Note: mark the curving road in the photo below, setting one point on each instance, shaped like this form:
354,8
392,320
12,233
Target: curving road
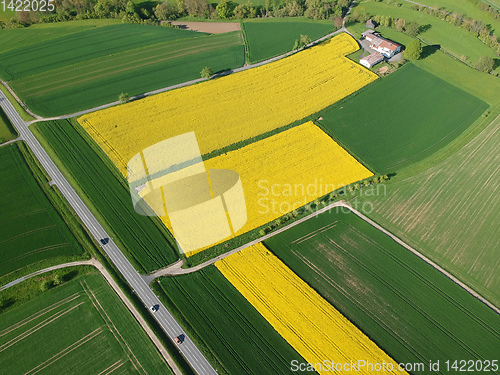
163,316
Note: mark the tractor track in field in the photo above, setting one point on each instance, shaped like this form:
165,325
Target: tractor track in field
176,268
118,291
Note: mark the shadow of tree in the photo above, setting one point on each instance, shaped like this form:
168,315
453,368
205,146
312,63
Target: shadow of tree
424,28
496,63
69,276
429,50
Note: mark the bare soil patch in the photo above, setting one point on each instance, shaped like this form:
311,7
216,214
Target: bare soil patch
209,27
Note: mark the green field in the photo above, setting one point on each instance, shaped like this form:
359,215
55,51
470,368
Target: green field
451,212
239,340
106,192
81,47
31,230
482,85
409,309
22,112
98,81
268,38
451,38
7,131
79,327
42,32
469,9
401,119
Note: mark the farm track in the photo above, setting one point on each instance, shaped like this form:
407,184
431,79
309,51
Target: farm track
176,269
172,87
116,288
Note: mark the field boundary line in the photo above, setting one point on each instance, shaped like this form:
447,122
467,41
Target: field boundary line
112,367
187,83
176,270
423,257
21,103
109,323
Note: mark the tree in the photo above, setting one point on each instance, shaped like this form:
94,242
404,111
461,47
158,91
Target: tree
222,9
302,42
239,12
130,7
412,29
195,7
45,285
413,50
123,97
384,21
337,22
318,9
400,24
206,72
164,11
485,64
57,279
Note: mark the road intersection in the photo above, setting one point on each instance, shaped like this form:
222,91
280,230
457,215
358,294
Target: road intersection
188,349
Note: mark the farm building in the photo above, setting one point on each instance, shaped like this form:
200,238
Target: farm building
385,46
371,59
371,24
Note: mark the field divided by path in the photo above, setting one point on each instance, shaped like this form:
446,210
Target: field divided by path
233,108
401,119
450,212
105,189
98,81
235,334
90,68
394,297
80,327
31,230
266,38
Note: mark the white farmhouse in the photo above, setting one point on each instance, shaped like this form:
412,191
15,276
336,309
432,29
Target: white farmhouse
385,46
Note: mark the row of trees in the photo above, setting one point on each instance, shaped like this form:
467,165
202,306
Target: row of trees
315,9
323,201
475,27
128,11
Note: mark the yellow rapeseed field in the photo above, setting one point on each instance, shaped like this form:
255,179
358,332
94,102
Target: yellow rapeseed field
287,170
313,327
235,108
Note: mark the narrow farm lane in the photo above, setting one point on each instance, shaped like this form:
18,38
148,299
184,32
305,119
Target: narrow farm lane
11,141
175,269
187,83
424,258
163,316
91,262
104,272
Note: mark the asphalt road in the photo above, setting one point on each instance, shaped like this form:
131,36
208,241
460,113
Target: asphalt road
163,316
